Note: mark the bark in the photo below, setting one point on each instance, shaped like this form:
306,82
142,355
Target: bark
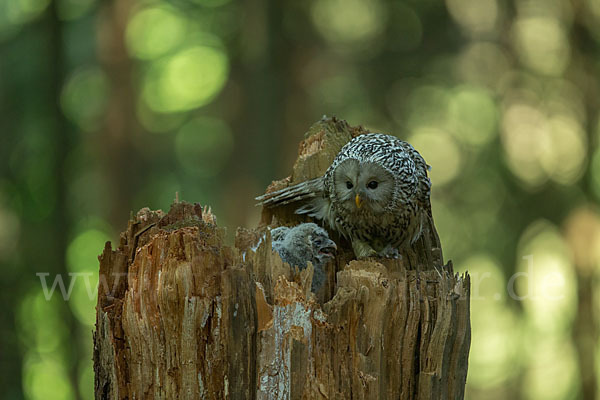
182,315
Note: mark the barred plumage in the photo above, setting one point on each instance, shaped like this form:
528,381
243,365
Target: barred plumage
375,193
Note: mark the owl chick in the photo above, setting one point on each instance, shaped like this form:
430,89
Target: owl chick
303,243
375,193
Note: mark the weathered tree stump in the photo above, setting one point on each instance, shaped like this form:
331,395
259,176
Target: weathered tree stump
181,315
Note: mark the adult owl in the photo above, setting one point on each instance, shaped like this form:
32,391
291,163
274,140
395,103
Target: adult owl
375,193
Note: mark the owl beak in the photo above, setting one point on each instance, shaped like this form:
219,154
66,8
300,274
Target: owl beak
328,249
358,201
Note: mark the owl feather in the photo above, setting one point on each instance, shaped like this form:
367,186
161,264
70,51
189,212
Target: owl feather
305,243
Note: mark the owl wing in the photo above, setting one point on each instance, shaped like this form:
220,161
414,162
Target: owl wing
301,192
424,184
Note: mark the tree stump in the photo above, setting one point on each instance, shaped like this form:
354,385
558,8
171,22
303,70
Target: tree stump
181,315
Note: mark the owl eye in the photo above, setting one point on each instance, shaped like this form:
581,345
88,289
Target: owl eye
372,185
349,185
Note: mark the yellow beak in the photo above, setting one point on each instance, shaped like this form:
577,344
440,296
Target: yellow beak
358,201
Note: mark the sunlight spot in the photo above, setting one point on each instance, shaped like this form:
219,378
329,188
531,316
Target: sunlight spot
552,371
39,323
542,45
86,380
441,152
82,259
495,327
16,12
565,162
477,16
154,31
539,147
582,232
350,24
187,80
46,379
473,115
545,280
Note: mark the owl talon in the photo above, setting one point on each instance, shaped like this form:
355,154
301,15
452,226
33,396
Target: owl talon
390,252
362,249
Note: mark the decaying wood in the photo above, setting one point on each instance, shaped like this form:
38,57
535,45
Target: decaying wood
181,315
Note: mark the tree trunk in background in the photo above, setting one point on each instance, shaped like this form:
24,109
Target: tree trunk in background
181,315
64,141
120,127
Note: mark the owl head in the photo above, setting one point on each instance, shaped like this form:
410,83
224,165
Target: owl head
363,185
304,242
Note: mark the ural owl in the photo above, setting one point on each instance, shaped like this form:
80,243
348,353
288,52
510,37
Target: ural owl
375,194
303,243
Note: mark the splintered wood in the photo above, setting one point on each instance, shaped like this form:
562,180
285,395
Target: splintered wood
181,315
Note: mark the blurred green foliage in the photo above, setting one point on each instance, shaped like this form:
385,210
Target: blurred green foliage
109,106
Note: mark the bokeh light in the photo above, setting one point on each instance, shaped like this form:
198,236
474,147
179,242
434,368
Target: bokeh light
476,16
40,322
84,109
539,146
542,45
157,122
545,281
13,13
439,149
82,263
349,25
154,31
43,337
582,233
552,369
483,63
496,327
46,379
189,79
86,381
428,105
473,115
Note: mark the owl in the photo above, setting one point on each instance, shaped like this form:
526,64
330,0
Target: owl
375,194
303,243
